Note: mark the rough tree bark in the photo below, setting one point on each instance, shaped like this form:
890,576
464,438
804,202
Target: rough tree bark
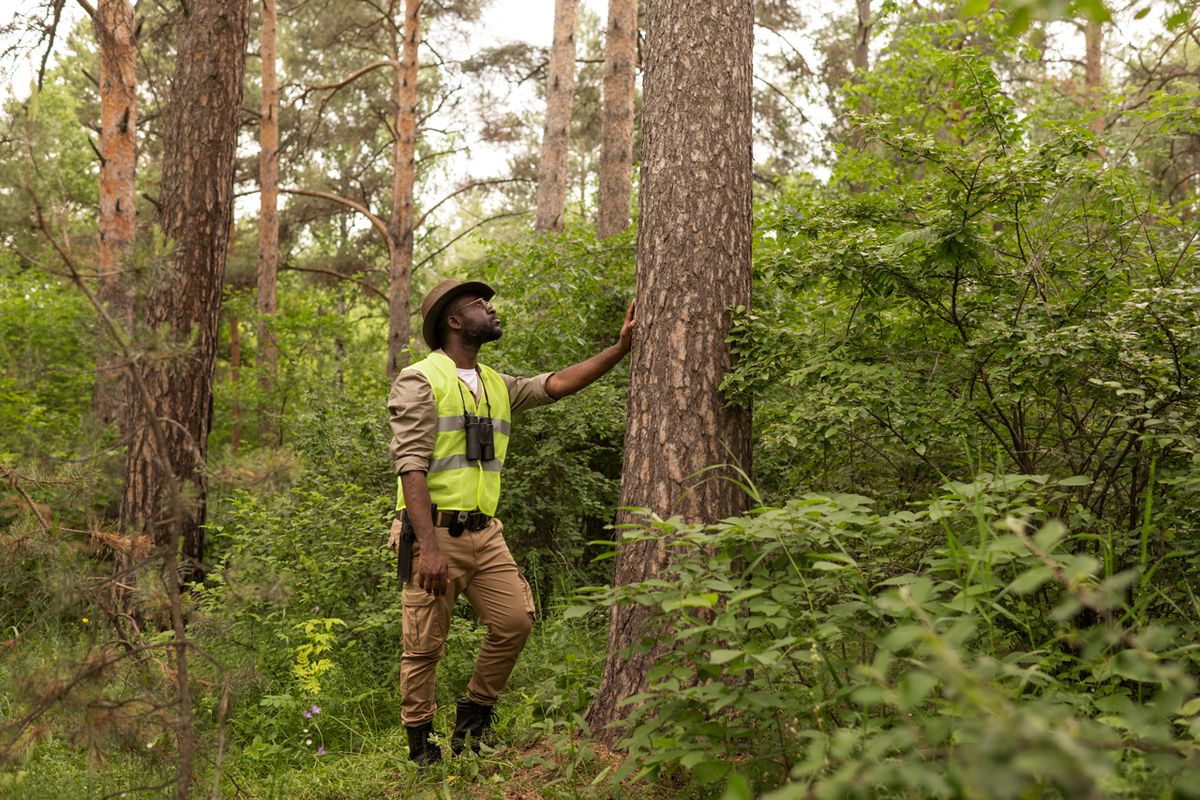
556,138
197,204
404,152
115,32
694,235
267,354
616,145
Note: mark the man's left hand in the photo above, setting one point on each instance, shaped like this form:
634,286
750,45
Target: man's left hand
626,340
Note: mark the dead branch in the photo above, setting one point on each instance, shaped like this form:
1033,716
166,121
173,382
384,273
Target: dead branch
89,8
14,481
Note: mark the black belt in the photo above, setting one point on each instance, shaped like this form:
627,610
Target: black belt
459,521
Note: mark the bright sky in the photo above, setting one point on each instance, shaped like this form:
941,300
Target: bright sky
504,20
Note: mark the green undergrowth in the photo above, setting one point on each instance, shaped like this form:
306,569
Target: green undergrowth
971,646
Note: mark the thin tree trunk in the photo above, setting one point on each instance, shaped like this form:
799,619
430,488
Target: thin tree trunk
339,341
267,354
197,195
1093,73
235,368
694,237
862,37
556,139
862,58
616,145
115,32
404,151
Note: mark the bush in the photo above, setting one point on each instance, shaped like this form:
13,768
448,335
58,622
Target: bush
823,649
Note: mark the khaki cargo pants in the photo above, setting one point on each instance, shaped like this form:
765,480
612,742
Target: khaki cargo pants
482,568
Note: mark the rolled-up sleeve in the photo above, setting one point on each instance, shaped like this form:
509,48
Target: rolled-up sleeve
527,393
414,422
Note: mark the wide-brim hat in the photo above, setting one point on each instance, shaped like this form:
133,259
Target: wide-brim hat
439,296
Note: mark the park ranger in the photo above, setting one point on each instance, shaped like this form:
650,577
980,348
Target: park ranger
451,418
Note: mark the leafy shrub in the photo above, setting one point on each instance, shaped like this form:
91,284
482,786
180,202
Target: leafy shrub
827,650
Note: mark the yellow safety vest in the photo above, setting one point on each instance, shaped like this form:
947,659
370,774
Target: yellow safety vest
455,483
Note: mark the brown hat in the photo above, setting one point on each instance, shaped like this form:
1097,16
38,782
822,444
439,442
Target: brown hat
439,296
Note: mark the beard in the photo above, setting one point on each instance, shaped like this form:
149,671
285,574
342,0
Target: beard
477,335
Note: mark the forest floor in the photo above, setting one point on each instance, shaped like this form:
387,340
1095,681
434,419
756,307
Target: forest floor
546,769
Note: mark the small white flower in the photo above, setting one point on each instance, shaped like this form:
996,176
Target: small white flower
308,741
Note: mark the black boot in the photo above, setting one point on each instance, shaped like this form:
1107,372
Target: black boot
420,749
471,720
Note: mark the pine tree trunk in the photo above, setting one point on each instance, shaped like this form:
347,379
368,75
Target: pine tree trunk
404,151
267,354
616,146
694,237
114,25
197,203
556,138
1093,75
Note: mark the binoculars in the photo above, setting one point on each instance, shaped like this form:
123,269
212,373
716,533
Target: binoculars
480,446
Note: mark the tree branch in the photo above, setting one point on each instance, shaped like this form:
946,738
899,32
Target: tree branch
377,223
482,222
338,275
466,187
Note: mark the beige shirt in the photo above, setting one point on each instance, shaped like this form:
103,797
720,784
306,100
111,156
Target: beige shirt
414,414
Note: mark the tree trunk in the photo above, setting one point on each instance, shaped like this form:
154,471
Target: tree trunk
862,37
694,237
267,354
114,25
197,202
235,368
404,151
1092,74
339,342
556,139
616,146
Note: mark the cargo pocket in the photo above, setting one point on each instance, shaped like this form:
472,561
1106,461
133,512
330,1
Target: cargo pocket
426,620
527,596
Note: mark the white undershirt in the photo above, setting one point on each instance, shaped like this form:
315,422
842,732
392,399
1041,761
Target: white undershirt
471,378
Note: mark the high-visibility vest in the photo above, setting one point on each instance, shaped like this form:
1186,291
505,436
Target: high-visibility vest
455,483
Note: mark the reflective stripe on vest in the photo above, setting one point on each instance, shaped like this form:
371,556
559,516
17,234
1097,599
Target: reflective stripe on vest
456,483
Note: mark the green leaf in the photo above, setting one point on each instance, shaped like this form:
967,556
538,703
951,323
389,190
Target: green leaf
1030,580
914,687
1076,480
709,771
573,612
1175,22
738,788
723,656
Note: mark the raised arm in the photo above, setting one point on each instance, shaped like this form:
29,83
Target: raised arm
577,376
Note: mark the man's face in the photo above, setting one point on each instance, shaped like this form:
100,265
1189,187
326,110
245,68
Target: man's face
477,320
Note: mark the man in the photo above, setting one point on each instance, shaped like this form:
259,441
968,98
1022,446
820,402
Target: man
450,419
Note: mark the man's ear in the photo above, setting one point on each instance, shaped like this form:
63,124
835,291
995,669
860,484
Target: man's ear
453,322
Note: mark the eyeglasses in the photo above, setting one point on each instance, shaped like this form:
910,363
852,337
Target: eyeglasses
465,306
